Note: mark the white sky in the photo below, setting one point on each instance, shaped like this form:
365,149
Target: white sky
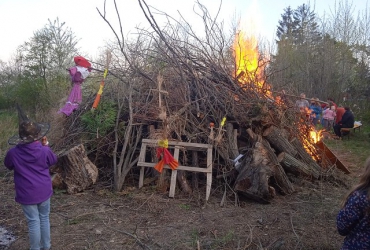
20,18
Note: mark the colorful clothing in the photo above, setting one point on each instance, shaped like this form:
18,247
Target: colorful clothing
31,163
340,111
78,75
315,113
353,221
328,114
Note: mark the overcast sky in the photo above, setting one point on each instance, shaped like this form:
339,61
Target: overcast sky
20,18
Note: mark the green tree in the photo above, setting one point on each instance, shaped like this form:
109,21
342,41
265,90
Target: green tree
286,25
44,59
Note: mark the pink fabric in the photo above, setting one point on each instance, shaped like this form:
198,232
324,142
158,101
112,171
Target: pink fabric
75,96
329,114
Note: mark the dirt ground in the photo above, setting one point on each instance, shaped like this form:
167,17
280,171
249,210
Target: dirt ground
148,219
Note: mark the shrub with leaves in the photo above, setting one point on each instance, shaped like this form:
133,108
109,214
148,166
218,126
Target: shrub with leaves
102,120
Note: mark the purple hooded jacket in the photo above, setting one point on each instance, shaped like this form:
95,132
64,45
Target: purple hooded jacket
31,163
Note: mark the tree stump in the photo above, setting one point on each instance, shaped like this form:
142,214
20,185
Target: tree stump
76,170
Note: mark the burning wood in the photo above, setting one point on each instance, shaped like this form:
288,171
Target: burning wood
267,130
211,97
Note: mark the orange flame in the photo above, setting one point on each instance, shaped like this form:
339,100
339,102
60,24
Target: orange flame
249,68
316,135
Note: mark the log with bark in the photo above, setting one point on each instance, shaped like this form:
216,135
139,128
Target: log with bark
305,157
281,180
294,166
253,178
279,141
74,171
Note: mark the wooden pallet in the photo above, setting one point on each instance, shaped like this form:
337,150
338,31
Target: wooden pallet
145,143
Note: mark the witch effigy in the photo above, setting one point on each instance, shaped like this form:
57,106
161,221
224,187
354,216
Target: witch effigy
78,74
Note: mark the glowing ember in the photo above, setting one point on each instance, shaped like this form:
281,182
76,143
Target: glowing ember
316,135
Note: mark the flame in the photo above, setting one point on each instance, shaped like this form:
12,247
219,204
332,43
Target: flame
316,135
249,65
310,137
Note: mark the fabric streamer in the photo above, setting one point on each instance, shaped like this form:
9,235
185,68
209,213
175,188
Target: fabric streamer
167,158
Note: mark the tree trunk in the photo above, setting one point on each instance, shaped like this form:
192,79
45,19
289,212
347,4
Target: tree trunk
278,141
253,179
76,170
294,166
282,182
305,157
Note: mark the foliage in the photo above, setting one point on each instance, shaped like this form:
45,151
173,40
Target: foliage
326,60
8,124
38,76
102,120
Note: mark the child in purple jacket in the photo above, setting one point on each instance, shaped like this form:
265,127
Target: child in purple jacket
353,220
30,160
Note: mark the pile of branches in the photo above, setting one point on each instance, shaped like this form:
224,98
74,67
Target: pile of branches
186,86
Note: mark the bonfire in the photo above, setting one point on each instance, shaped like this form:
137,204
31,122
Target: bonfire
197,94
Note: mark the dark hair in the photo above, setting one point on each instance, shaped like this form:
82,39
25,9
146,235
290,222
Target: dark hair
363,184
347,108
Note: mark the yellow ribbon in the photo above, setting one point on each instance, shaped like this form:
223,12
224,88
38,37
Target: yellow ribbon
163,143
100,89
223,121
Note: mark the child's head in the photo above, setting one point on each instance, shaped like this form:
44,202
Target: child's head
332,108
29,131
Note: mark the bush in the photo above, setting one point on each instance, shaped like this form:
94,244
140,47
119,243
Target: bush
102,120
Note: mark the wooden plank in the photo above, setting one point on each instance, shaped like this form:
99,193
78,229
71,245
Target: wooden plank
142,169
174,174
332,157
209,174
177,146
186,168
188,145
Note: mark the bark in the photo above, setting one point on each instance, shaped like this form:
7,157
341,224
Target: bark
275,137
253,178
305,157
294,166
281,179
76,170
232,140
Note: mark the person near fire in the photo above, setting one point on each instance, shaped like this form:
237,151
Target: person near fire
30,160
316,111
339,113
78,74
347,121
328,118
302,104
353,219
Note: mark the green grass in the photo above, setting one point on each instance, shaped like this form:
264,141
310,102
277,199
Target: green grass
358,144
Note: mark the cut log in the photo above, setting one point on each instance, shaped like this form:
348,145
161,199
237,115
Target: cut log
76,170
281,179
294,166
253,178
275,137
305,157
